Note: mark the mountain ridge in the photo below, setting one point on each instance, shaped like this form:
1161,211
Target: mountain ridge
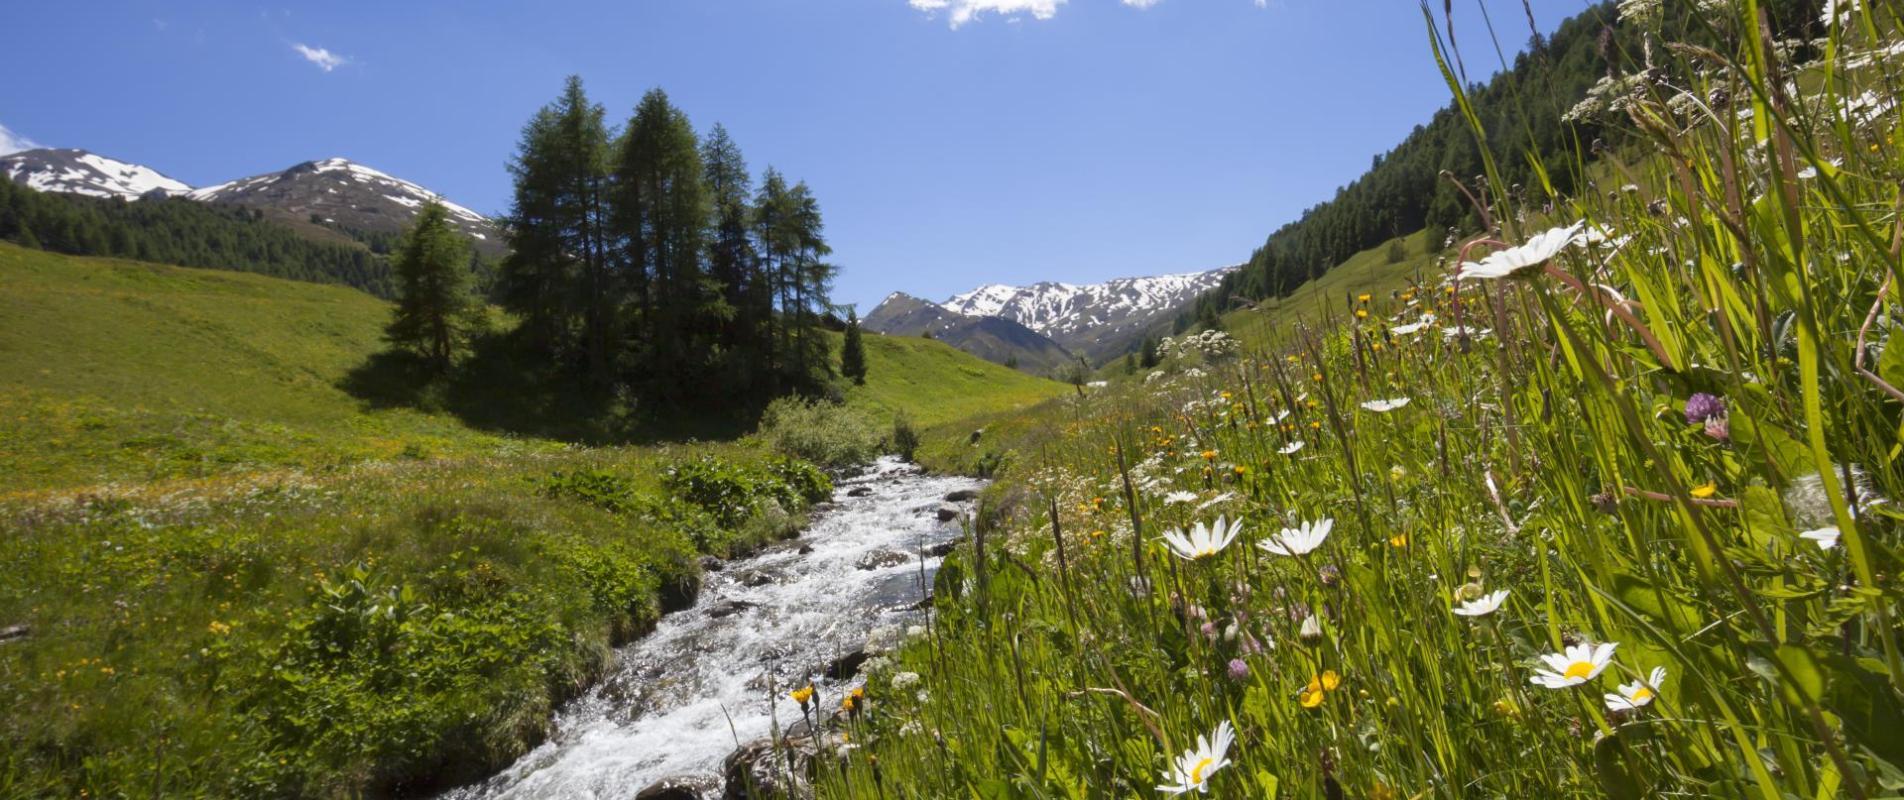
321,198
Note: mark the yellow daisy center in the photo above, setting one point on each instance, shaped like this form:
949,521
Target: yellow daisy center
1641,694
1579,669
1196,773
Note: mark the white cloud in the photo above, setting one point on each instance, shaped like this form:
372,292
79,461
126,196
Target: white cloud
1141,3
960,12
11,142
324,59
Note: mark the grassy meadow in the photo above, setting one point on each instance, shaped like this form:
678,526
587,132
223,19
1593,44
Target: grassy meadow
1613,516
239,573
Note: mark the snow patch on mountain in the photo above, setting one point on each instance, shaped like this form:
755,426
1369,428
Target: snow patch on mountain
1065,310
83,173
392,188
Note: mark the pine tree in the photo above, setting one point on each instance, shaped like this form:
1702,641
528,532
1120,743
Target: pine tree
557,276
434,309
661,215
853,352
1150,357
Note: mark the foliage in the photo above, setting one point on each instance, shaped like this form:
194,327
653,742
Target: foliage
641,257
174,230
853,351
828,434
905,438
435,313
1676,436
1529,144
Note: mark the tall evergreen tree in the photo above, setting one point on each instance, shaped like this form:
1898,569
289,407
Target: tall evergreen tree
853,352
557,276
434,311
661,212
733,264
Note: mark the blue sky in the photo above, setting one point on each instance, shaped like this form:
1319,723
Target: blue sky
951,142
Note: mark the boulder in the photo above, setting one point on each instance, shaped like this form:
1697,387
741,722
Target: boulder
687,787
712,564
755,578
859,491
805,549
942,549
759,771
962,495
880,559
728,608
846,666
947,513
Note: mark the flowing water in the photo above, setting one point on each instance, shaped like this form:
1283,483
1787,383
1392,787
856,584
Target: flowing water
683,697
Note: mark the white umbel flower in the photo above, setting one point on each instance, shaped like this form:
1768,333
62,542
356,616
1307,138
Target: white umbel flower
1193,769
1386,405
1827,538
1203,542
1488,604
1577,665
1638,693
1300,540
1515,260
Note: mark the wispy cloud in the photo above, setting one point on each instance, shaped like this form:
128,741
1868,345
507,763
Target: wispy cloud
960,12
11,142
324,59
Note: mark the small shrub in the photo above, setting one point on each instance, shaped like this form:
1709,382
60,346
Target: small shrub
905,438
600,488
827,434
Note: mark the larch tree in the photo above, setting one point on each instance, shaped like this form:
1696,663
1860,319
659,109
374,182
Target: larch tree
435,310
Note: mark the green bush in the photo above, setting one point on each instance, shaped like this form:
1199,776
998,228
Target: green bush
827,434
747,503
905,438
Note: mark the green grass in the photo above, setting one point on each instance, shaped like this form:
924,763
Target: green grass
241,579
122,371
936,383
119,371
1074,655
1330,299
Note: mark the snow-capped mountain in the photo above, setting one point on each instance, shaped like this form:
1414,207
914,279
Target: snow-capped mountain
994,339
1098,320
343,193
80,172
318,198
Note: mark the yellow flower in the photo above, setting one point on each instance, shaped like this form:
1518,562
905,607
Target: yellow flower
1398,540
802,695
1362,298
1361,313
1705,490
1319,687
1209,455
219,628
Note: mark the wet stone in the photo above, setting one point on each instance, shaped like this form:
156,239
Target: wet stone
880,559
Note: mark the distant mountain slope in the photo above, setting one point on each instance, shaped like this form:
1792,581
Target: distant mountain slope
338,192
1099,320
80,172
995,339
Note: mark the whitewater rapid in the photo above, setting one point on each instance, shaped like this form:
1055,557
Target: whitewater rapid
684,697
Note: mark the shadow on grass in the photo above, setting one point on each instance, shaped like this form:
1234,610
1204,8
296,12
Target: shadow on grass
500,386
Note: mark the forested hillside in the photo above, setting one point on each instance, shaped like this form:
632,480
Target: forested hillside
1525,109
186,233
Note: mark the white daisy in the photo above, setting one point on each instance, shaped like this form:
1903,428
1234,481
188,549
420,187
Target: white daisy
1488,604
1291,448
1385,406
1827,538
1577,665
1203,542
1410,328
1298,541
1538,250
1638,693
1193,769
1179,497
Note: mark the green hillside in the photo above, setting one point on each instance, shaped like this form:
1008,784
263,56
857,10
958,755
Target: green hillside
116,371
936,383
